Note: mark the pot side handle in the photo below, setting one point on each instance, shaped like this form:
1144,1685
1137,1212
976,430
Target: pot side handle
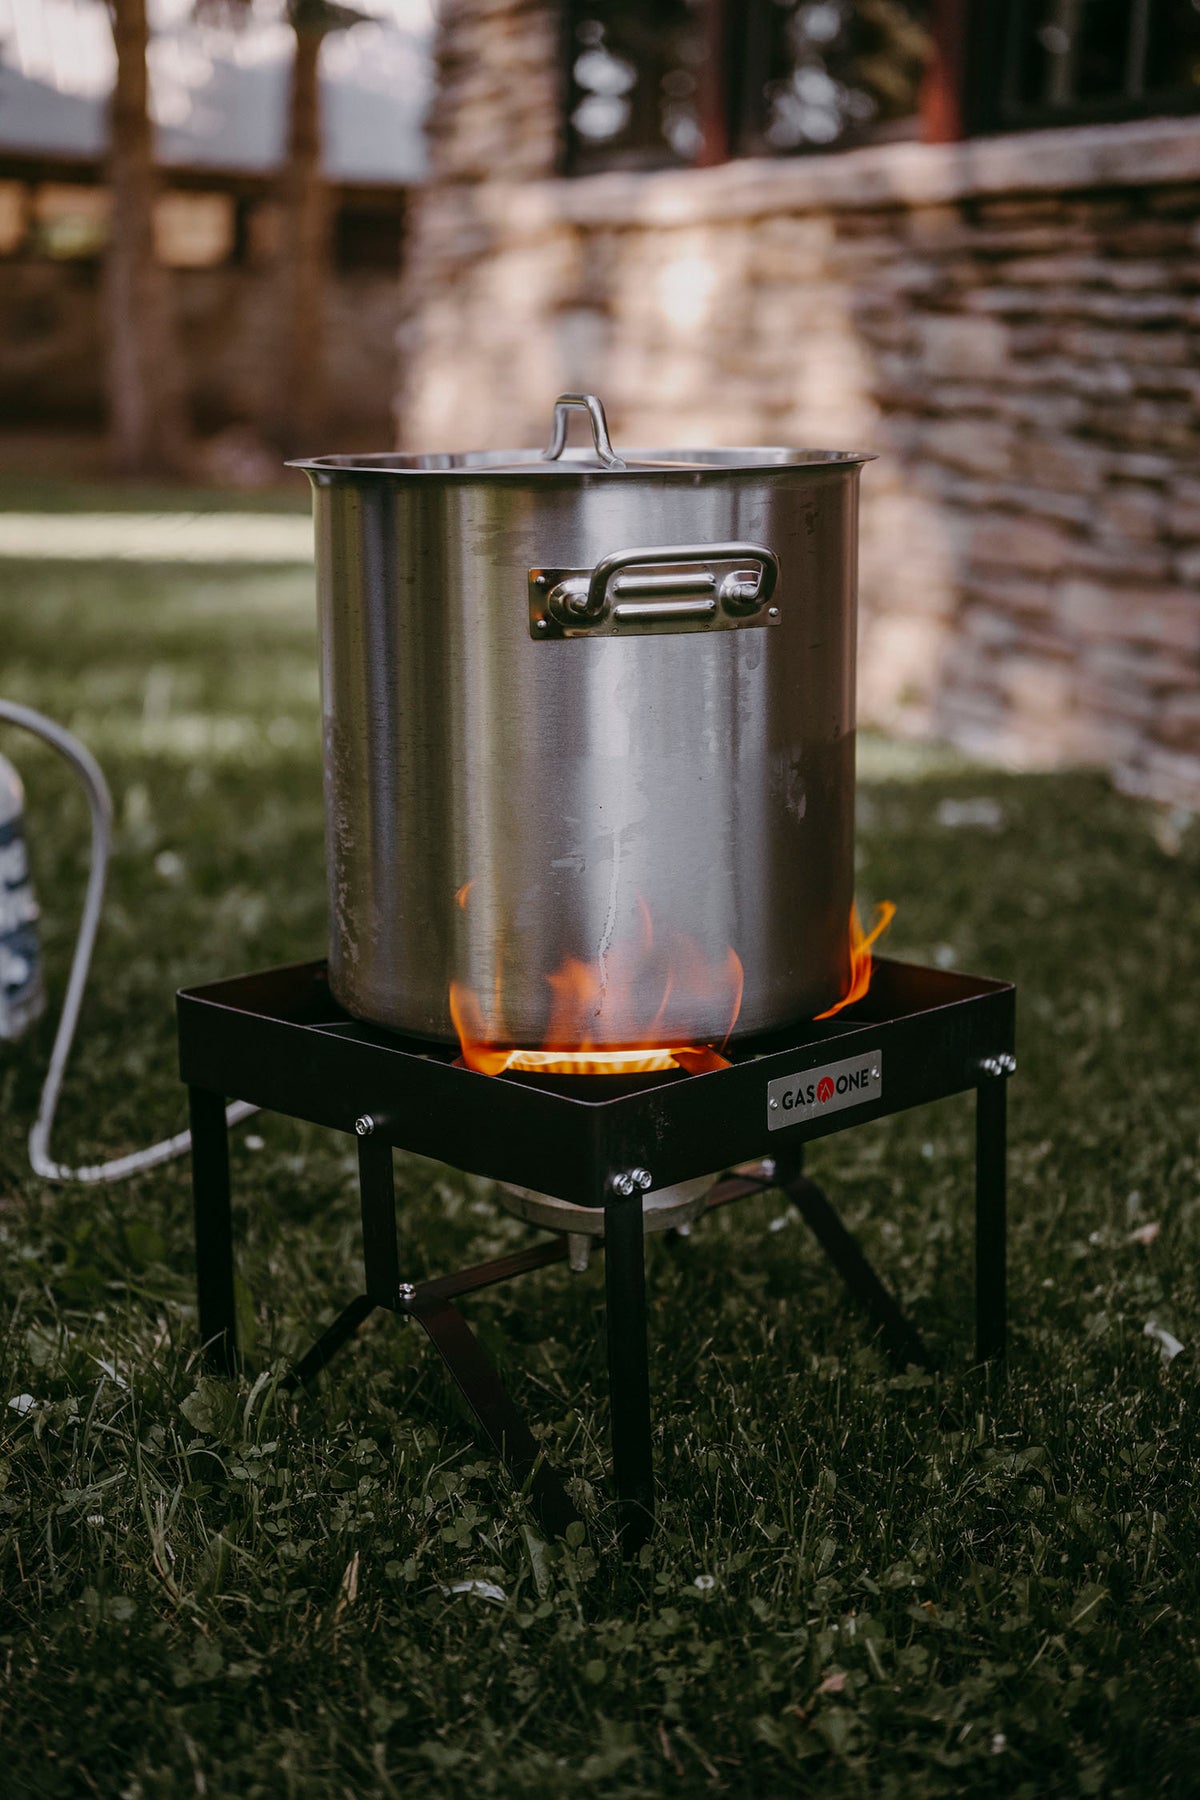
679,587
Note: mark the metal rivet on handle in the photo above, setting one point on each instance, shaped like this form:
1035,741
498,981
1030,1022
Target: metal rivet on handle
364,1125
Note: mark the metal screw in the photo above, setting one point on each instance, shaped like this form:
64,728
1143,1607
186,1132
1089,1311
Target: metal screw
642,1179
406,1291
774,1105
365,1125
772,612
539,581
1003,1064
623,1184
542,625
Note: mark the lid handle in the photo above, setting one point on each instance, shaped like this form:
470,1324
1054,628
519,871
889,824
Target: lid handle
595,412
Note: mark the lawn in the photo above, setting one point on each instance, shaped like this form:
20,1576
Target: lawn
863,1582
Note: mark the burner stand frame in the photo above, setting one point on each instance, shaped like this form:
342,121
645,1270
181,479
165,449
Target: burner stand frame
279,1040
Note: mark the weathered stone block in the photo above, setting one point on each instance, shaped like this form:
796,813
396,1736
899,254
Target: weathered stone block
1169,776
1088,610
1064,464
1109,701
1015,302
1163,617
1037,687
1041,503
1180,721
1023,597
1036,409
981,447
1182,516
986,627
1012,542
1124,565
1142,465
1131,512
899,662
1138,349
963,347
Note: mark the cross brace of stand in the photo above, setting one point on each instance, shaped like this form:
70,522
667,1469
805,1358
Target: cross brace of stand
222,1043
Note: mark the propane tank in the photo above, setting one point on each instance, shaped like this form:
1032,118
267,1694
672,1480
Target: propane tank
22,996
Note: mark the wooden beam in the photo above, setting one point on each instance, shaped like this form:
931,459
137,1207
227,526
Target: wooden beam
943,105
713,83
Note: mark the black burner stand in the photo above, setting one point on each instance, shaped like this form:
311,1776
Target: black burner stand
280,1041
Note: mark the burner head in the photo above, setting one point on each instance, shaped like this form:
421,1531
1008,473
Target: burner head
663,1209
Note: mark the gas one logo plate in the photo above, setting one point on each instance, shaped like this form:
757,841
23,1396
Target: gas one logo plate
795,1099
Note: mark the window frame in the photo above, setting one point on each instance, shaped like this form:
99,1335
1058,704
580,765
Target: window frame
996,41
959,97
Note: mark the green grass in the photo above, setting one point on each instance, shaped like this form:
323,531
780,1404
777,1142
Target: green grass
38,492
863,1584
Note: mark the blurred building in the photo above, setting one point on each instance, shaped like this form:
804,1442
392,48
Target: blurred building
964,236
219,96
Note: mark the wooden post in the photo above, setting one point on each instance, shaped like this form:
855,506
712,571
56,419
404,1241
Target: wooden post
713,85
147,411
943,106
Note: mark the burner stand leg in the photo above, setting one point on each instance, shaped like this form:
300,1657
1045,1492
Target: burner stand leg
377,1197
430,1304
898,1335
214,1229
330,1341
628,1365
991,1317
497,1416
381,1260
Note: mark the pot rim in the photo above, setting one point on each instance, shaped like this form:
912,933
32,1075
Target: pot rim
697,466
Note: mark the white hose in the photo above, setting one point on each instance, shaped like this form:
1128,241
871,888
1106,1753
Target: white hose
100,805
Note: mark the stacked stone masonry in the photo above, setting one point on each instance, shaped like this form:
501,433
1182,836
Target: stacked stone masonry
1010,324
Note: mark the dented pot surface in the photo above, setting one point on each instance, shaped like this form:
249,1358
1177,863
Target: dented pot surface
615,756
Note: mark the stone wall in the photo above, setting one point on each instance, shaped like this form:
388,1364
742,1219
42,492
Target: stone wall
1008,323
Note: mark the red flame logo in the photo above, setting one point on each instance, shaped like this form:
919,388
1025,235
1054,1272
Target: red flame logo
824,1089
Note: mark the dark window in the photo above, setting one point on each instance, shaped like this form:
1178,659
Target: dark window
1070,61
818,74
656,82
368,238
650,83
633,71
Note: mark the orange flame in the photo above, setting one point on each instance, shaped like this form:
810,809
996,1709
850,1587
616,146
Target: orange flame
584,995
860,954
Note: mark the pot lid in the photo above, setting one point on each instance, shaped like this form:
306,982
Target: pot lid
601,459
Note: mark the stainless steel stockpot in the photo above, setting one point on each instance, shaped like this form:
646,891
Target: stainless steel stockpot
588,713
